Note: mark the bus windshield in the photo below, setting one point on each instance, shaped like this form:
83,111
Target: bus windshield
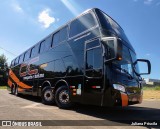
124,65
109,24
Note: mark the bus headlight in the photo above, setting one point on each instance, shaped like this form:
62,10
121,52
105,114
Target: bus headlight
119,87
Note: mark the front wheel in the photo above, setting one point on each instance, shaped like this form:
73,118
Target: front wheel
62,97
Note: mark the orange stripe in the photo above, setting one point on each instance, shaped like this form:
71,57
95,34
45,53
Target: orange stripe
124,98
20,89
13,76
24,85
9,82
15,79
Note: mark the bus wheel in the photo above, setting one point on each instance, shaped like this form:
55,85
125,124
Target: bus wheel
47,96
16,91
62,97
13,90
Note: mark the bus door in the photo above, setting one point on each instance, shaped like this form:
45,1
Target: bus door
93,82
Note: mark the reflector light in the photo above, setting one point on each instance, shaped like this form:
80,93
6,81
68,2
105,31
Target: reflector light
74,89
72,86
96,87
74,93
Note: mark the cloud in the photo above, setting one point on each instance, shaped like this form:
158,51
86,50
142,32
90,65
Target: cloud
148,2
17,7
45,19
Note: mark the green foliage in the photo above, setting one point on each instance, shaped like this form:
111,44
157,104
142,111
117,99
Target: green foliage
3,69
3,87
3,62
151,88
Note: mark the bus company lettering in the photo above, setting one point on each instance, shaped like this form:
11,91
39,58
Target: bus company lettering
33,76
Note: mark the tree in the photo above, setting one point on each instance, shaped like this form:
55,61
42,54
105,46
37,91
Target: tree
3,69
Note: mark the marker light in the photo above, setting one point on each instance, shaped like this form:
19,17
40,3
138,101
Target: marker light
119,87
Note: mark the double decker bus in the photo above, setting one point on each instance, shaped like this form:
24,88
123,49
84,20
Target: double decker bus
89,60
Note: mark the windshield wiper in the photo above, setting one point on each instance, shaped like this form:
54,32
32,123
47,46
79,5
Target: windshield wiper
125,71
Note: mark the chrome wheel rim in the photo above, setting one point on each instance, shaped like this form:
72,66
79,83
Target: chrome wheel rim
64,97
48,95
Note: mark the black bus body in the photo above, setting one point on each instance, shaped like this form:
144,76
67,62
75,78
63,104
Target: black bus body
89,61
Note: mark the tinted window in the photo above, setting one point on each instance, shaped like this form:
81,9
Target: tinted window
81,24
109,24
35,50
21,58
70,65
12,63
56,39
16,61
42,48
46,44
93,44
27,55
94,58
63,34
59,68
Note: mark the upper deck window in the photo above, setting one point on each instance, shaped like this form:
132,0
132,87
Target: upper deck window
21,58
16,61
63,34
35,50
82,24
46,44
27,55
60,36
56,39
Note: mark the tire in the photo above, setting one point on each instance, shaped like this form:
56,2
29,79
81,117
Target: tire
47,96
16,91
62,98
13,90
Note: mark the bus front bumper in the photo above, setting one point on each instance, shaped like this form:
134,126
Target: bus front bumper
130,99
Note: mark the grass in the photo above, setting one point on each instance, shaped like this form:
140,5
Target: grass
151,88
151,92
3,87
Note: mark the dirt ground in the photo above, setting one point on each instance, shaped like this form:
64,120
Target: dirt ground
151,94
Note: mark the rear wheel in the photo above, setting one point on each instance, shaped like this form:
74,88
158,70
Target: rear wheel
13,89
16,91
62,97
47,96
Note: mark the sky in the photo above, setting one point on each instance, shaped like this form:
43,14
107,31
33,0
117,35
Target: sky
25,22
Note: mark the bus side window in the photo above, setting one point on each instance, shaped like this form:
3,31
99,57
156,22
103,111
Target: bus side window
63,34
42,47
27,55
59,68
35,51
70,66
94,62
16,61
21,58
94,58
12,63
82,24
56,39
48,42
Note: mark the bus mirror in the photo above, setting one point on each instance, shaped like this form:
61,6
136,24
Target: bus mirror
145,64
113,48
